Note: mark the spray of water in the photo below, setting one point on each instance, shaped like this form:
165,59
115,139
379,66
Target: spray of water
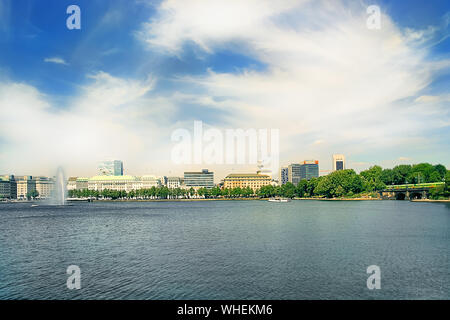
59,192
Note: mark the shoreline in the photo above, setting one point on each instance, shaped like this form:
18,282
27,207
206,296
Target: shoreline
430,200
233,199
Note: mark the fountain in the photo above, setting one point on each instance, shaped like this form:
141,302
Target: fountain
59,192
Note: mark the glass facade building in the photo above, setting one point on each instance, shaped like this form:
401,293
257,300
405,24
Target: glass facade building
203,179
309,169
111,168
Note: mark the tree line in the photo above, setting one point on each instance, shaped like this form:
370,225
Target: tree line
343,183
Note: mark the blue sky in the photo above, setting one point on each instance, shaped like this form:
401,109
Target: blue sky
299,66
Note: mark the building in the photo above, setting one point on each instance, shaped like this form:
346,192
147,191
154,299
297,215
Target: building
284,175
309,169
149,181
117,183
253,180
44,186
163,180
25,185
338,162
72,183
294,173
8,187
111,168
174,182
203,179
82,183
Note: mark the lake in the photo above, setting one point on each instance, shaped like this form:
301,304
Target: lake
303,249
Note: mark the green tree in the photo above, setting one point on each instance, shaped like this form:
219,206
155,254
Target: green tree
372,179
32,194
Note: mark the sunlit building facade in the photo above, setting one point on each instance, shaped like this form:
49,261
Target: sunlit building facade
44,186
25,185
174,182
243,180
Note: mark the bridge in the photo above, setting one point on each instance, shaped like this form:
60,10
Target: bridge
409,191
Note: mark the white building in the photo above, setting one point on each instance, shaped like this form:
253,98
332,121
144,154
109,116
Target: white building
173,182
123,183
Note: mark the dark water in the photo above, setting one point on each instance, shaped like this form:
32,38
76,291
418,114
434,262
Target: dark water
226,250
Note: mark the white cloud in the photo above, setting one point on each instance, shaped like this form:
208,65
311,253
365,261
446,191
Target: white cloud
56,60
327,76
112,117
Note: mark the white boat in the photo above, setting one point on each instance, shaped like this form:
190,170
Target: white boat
34,205
279,200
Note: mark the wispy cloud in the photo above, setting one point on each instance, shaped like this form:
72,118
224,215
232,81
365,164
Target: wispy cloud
56,60
328,77
111,117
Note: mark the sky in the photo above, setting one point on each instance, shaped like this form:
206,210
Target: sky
137,70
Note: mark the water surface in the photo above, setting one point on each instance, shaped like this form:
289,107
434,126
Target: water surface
226,250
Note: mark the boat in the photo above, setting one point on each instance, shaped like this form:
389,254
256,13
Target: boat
279,200
34,205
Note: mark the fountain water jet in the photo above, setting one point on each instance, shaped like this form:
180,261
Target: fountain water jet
59,191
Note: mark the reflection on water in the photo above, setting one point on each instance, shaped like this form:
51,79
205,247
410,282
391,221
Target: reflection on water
226,250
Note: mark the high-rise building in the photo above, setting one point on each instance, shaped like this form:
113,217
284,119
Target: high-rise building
309,169
244,180
203,179
294,175
111,168
338,162
284,175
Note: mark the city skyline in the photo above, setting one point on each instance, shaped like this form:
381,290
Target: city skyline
96,96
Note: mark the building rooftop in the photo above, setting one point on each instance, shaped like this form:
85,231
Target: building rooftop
113,178
239,175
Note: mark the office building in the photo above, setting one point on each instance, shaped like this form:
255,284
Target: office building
338,162
203,179
253,180
309,169
284,175
111,168
294,173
